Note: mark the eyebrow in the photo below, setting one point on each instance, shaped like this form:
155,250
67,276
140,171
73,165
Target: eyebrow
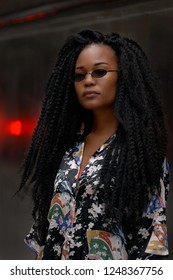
95,64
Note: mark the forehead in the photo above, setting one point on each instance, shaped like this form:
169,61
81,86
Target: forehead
96,53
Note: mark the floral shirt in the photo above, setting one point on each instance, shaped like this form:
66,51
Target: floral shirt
77,228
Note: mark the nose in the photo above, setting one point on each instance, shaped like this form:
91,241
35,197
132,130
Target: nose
89,79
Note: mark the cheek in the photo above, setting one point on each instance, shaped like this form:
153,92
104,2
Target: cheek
111,88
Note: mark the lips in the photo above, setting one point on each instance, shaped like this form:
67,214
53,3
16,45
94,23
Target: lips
90,94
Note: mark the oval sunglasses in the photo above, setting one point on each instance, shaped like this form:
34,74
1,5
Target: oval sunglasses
97,73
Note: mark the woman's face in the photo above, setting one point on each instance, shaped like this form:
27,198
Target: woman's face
96,93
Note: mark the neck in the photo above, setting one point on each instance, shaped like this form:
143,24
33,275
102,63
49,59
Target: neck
104,122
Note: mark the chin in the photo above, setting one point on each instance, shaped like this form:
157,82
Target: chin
90,108
90,105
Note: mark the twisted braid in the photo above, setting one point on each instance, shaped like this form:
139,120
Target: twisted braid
132,167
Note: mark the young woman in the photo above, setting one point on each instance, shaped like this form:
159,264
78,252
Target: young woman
97,158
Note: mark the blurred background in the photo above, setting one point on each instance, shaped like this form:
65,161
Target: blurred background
31,33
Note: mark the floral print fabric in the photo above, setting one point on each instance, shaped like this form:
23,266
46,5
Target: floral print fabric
77,228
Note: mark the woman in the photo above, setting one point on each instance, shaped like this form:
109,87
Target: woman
97,157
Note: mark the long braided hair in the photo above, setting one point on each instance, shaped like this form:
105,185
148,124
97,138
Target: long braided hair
134,159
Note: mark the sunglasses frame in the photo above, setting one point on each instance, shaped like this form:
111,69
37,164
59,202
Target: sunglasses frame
92,74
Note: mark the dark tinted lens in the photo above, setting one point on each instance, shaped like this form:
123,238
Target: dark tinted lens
79,77
98,73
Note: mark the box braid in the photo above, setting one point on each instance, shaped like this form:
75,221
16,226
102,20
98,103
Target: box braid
134,159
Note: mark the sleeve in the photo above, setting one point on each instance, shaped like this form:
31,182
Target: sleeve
151,240
32,241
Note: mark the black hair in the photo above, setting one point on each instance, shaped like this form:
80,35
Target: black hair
134,159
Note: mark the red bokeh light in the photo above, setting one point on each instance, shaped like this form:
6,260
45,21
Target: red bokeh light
15,127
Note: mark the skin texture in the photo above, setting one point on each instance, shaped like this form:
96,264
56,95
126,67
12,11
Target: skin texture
97,94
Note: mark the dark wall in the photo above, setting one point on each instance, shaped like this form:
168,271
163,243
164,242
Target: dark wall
27,54
11,6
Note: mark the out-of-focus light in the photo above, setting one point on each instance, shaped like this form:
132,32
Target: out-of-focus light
15,127
28,126
19,127
1,124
